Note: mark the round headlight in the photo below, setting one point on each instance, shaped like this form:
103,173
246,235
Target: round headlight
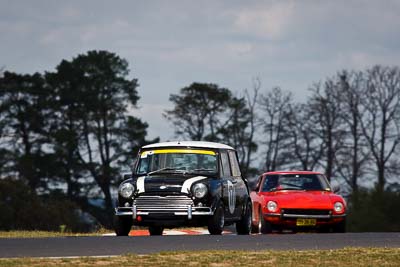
199,190
272,206
126,190
338,207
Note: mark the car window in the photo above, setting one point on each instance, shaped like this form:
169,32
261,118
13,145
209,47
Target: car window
258,183
270,183
234,164
226,168
186,160
292,182
324,182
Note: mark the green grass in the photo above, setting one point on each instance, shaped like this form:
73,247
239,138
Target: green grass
42,234
342,257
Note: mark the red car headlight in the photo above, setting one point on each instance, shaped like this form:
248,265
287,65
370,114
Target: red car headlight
338,207
272,206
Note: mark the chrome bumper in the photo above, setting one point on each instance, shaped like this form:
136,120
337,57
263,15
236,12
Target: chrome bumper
189,211
329,216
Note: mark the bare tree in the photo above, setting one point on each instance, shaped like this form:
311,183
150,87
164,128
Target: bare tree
251,103
354,155
239,128
275,105
307,147
380,121
325,111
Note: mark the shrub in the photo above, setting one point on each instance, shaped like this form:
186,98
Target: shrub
23,209
374,211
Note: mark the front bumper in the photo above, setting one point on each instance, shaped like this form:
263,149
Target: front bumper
291,219
163,205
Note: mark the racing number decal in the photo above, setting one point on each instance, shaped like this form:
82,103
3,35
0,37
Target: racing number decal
231,197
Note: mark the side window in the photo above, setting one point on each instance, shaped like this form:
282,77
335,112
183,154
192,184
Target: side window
324,183
258,184
226,168
234,164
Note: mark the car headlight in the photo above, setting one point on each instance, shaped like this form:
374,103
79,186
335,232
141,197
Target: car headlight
272,206
199,190
126,190
338,207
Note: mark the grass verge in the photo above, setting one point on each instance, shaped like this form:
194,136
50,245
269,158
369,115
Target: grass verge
42,234
342,257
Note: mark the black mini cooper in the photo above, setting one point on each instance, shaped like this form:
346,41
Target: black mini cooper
188,183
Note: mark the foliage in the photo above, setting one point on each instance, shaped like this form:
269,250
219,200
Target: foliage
211,113
93,133
21,208
374,211
198,111
24,110
72,128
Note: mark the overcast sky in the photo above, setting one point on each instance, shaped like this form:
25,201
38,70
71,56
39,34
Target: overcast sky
170,44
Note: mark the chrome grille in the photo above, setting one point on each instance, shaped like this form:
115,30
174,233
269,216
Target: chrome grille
307,211
170,203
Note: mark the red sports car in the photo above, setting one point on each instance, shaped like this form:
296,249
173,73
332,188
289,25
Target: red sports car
296,200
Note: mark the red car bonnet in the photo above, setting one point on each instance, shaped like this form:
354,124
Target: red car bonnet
301,199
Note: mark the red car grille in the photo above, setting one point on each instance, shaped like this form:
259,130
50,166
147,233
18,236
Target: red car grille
306,211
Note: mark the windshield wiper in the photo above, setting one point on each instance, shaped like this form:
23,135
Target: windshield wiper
204,170
285,188
163,169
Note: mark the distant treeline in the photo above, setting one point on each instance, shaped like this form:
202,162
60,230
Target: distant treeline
66,135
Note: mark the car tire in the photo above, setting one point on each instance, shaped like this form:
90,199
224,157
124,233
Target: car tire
156,230
216,222
265,226
243,227
122,225
340,227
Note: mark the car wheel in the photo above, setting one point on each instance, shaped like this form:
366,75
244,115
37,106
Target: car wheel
156,230
122,225
265,226
340,227
217,221
243,227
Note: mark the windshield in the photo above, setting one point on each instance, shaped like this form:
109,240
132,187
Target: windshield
178,161
295,182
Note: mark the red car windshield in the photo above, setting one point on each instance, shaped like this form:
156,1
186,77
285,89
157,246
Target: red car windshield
315,182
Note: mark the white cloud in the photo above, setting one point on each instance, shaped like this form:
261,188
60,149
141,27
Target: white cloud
267,21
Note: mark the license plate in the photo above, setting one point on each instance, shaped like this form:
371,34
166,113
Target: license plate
306,222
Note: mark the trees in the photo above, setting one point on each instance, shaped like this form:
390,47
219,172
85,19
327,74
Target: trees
353,155
207,112
93,133
380,119
305,146
197,111
71,129
328,124
275,107
24,109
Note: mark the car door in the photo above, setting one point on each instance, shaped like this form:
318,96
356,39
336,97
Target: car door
229,186
239,184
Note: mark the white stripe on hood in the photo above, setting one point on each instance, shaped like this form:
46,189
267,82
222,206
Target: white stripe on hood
140,184
188,183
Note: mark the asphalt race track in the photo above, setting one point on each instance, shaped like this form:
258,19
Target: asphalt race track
109,246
